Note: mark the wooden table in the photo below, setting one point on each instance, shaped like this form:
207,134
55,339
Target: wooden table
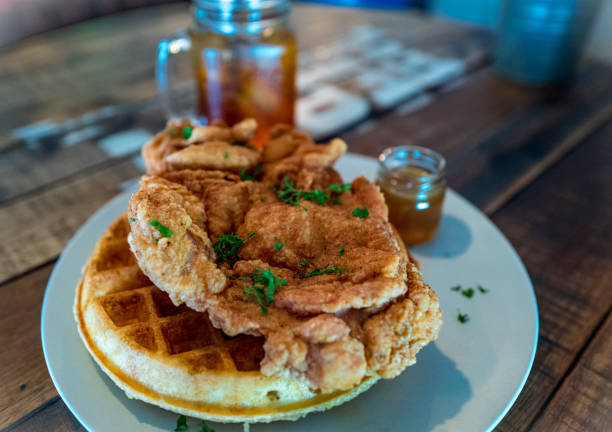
538,163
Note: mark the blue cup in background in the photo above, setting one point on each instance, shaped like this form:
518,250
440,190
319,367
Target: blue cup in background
539,41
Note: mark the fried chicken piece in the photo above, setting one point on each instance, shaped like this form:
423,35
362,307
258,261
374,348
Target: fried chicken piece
290,152
169,239
215,155
226,199
351,302
163,144
215,146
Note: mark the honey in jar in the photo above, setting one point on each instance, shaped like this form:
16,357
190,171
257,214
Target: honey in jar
413,181
244,57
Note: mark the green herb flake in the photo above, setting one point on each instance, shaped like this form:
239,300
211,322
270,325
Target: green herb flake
163,230
456,288
361,213
204,427
251,175
304,262
330,269
339,188
482,289
263,288
263,198
288,193
462,318
226,247
172,131
226,154
181,424
251,235
468,292
132,220
340,251
277,244
187,131
291,195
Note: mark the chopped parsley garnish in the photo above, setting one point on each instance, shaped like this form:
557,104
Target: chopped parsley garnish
361,213
304,262
462,318
468,292
187,132
263,198
288,193
291,195
227,245
204,427
163,230
482,289
226,154
339,188
278,245
330,269
132,220
181,424
340,251
251,175
264,286
456,288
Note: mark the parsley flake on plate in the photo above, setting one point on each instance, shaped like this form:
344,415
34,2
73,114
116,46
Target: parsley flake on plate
226,154
482,289
181,424
340,251
132,220
456,288
468,292
163,230
462,318
304,262
187,131
204,427
277,244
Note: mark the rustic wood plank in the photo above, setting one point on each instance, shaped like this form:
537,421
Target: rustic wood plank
110,61
55,417
87,61
584,401
560,227
25,381
36,229
497,146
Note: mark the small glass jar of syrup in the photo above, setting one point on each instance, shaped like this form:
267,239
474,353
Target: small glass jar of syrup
413,181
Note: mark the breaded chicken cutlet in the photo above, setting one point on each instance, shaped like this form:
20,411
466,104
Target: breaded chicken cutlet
272,243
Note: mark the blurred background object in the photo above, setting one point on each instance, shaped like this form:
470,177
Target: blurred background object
242,55
22,18
539,41
482,12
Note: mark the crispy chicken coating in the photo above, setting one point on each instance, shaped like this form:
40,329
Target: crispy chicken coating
335,296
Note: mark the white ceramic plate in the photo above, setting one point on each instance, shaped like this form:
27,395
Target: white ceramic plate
465,381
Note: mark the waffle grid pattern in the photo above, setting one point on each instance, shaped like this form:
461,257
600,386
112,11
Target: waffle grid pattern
145,315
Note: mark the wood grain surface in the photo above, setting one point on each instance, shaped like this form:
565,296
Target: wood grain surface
537,161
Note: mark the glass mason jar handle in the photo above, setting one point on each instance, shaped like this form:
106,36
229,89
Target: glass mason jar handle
175,79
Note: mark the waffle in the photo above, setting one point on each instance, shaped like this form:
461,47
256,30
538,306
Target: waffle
172,356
